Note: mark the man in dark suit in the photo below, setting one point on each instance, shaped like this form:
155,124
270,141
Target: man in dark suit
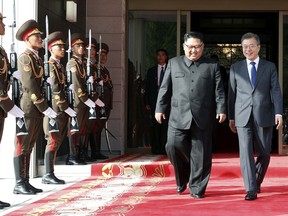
194,86
255,106
153,82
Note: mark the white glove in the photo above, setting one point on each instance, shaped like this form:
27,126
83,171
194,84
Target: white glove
91,79
17,75
50,113
17,112
101,83
99,103
89,103
71,87
49,80
70,112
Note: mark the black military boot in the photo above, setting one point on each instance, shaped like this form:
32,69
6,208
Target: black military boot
4,205
98,154
91,141
49,177
20,163
31,187
72,159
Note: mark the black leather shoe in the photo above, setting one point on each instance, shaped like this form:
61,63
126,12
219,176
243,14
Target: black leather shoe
32,188
197,196
251,195
4,205
22,188
101,156
50,178
181,189
91,159
75,162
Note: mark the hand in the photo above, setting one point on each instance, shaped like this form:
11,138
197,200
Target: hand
17,112
147,107
278,121
232,126
89,103
49,80
99,103
17,75
101,83
70,112
50,113
221,117
71,87
159,117
91,79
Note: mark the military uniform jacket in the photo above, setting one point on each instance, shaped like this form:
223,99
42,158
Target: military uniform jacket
32,101
5,102
78,75
107,97
57,74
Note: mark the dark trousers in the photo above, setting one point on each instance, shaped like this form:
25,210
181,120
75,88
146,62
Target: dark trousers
54,140
159,136
2,120
254,137
190,152
25,144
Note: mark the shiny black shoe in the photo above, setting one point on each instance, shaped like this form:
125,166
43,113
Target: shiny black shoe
197,196
4,205
251,195
75,162
32,188
181,189
91,159
50,178
101,156
22,188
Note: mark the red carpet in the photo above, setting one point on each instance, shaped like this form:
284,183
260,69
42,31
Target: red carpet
145,185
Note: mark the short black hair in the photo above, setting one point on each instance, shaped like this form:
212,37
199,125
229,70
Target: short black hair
162,50
250,35
194,34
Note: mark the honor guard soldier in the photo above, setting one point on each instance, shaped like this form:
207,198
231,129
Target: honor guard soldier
56,46
32,103
82,104
106,96
90,136
6,104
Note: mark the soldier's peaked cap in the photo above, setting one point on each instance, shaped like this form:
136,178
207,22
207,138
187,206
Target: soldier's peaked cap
56,38
76,38
104,47
93,42
27,29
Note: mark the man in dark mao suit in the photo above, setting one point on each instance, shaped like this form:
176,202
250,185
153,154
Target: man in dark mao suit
194,86
255,106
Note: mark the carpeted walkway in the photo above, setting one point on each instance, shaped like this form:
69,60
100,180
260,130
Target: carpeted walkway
145,185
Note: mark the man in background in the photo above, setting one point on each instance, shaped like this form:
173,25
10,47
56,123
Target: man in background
153,82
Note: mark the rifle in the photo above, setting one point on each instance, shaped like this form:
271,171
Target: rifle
74,126
100,87
92,111
53,127
21,128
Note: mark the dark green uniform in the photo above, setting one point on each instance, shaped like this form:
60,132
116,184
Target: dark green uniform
59,104
78,71
107,98
5,102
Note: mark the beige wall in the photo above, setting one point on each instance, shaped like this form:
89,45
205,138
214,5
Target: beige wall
206,5
108,18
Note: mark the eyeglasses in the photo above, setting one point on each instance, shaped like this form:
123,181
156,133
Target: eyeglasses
197,47
252,46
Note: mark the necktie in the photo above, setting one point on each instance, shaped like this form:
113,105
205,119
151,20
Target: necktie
253,73
161,75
